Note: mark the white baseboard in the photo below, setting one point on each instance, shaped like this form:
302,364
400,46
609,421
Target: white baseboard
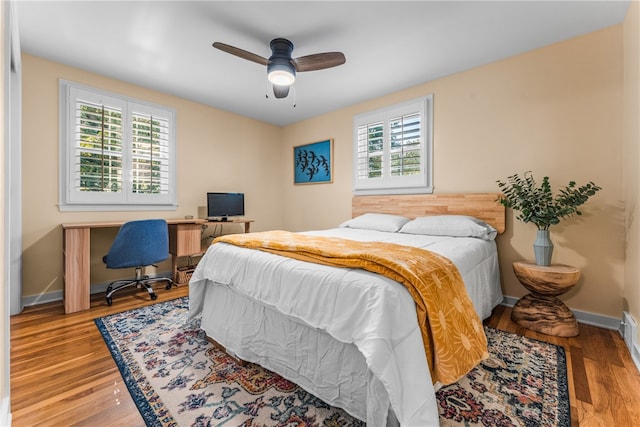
629,333
5,413
57,295
635,356
585,317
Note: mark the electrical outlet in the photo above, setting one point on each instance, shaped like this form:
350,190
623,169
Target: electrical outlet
630,330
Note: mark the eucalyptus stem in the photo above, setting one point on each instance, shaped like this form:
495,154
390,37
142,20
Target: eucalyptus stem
537,203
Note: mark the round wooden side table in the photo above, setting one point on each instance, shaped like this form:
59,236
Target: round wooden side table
541,310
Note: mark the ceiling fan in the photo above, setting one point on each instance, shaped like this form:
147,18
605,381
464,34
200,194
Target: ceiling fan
281,67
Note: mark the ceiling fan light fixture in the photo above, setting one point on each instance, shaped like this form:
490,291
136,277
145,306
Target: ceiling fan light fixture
280,72
281,67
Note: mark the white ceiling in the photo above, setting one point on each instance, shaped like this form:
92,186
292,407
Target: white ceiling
389,45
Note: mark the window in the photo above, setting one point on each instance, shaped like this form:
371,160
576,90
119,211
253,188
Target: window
117,153
392,149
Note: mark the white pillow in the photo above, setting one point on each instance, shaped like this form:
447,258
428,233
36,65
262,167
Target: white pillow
376,221
450,225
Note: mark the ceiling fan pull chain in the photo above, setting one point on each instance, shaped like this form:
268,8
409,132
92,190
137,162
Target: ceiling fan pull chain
294,96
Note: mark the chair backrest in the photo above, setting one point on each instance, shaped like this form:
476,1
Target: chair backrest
139,243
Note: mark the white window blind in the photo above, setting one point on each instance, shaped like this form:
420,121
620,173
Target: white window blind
98,146
406,150
393,149
150,154
116,153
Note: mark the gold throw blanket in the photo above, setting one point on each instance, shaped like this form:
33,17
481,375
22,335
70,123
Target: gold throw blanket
453,336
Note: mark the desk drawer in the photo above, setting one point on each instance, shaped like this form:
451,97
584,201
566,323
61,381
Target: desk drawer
184,239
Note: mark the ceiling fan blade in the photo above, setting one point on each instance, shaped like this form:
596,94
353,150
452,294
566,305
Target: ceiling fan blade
241,53
280,91
318,61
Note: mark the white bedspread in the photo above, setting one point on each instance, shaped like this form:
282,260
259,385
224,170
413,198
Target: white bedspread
374,313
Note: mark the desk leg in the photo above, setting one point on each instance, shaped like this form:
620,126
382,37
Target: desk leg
174,269
76,270
247,227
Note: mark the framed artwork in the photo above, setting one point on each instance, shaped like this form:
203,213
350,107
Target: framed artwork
313,163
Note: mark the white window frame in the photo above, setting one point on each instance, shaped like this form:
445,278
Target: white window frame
387,184
126,200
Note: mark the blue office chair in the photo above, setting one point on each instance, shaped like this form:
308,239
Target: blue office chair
138,244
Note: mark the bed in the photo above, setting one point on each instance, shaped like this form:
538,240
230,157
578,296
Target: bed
350,336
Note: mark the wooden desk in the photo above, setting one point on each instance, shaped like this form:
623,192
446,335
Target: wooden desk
77,257
184,240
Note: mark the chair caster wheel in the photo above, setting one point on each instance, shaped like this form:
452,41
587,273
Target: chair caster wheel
154,297
169,286
109,301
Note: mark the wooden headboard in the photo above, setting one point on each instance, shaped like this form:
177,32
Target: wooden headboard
480,205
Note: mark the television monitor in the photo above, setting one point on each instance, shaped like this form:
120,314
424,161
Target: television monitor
220,206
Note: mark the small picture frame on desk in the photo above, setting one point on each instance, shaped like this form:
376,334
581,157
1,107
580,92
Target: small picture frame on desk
313,163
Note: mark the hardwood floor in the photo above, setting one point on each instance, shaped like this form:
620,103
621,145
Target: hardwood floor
604,384
62,373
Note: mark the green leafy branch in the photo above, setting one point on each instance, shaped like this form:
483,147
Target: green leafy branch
537,204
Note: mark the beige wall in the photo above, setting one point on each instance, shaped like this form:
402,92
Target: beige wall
631,150
217,151
556,111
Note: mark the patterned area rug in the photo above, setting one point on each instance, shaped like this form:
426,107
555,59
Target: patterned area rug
177,378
